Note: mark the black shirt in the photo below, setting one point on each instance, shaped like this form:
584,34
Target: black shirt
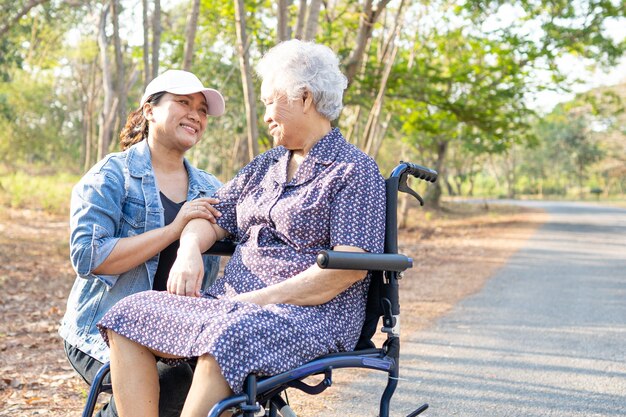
168,255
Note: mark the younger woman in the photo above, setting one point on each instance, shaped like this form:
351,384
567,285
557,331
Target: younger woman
127,214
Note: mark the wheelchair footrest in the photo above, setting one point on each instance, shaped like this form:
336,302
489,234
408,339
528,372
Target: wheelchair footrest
418,411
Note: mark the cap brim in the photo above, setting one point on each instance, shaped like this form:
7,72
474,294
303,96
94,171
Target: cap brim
216,103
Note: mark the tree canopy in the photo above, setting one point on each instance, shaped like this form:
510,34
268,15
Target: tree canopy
445,83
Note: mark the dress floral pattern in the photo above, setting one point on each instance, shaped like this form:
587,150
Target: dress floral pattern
336,197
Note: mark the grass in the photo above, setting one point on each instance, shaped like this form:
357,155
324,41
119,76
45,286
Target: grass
50,193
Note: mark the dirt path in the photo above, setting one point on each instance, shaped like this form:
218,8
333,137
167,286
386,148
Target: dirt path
453,255
35,279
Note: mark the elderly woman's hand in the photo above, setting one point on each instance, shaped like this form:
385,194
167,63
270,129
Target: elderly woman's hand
201,208
187,272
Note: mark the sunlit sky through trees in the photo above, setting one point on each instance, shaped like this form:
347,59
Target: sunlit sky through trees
582,74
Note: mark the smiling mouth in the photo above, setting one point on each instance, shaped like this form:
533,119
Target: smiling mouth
189,128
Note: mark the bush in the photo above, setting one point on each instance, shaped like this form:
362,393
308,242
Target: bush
50,193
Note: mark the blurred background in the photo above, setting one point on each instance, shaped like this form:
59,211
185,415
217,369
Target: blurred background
515,99
506,99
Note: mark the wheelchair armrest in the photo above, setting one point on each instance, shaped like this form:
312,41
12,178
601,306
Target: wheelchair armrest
363,261
222,248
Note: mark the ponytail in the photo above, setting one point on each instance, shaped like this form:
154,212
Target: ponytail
136,128
135,131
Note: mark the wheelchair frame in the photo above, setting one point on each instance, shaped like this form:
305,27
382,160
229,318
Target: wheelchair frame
383,300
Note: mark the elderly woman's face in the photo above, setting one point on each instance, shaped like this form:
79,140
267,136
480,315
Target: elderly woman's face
283,117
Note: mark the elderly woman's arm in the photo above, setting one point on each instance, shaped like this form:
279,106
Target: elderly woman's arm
188,269
312,286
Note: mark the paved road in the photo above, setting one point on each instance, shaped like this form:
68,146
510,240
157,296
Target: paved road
545,337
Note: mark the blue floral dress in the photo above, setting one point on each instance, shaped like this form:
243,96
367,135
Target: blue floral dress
337,197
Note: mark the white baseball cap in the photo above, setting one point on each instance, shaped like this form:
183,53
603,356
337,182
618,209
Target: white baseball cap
183,82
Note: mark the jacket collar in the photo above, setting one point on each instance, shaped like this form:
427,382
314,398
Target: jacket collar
138,160
196,185
139,164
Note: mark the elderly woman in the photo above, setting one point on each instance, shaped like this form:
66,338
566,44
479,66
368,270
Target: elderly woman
274,309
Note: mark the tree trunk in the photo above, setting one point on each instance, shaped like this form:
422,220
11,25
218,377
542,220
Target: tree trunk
119,63
190,35
282,29
390,42
510,174
472,180
156,37
246,78
146,44
89,127
86,114
581,177
312,20
373,137
369,16
83,84
449,185
240,147
379,135
132,79
458,186
352,134
433,195
107,113
369,136
301,19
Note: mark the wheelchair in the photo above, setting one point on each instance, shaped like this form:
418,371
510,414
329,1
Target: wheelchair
263,396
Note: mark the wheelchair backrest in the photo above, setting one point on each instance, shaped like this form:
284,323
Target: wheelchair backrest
383,290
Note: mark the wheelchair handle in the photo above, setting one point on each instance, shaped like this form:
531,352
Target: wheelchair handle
401,174
415,170
329,259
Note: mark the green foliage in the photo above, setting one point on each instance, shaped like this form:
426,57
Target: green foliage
9,55
32,121
566,157
457,97
576,27
49,192
465,88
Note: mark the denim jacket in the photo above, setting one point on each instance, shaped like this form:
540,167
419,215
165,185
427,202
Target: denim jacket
117,198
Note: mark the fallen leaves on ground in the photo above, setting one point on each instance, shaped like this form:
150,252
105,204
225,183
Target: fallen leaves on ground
453,252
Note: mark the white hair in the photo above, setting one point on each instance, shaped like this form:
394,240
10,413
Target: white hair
293,66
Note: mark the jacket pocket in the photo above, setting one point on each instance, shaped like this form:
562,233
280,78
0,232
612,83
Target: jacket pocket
133,215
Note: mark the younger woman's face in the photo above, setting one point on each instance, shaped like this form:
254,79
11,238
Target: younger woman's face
178,121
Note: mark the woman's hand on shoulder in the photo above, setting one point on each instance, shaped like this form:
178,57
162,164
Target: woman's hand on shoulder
201,208
187,272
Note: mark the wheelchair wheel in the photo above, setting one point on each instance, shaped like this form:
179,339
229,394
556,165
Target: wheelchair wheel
279,408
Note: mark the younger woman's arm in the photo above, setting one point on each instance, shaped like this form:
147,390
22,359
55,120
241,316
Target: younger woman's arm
132,251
